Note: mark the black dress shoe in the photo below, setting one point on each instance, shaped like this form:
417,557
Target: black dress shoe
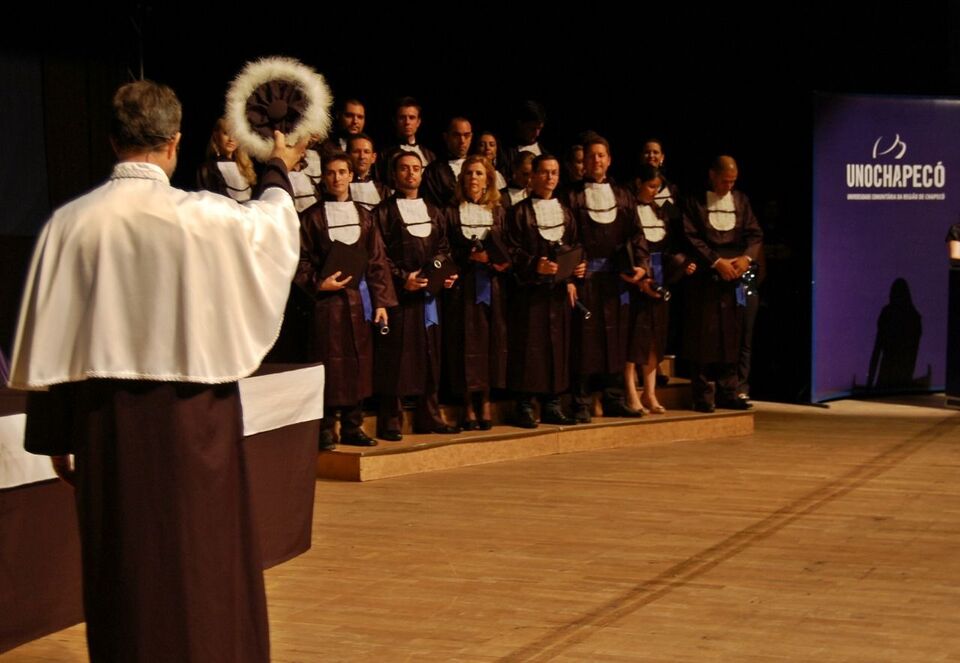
703,407
485,424
525,419
390,435
442,429
735,404
620,410
470,424
582,415
327,442
357,439
557,418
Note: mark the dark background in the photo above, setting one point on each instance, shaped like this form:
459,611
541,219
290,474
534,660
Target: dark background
706,81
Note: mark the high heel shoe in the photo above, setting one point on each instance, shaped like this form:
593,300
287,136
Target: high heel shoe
655,409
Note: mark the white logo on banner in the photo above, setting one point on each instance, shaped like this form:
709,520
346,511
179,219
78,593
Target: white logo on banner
895,181
896,143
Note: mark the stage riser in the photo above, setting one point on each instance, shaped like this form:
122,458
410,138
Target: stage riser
430,453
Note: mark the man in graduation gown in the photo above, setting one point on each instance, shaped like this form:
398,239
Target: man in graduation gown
725,237
144,305
408,358
529,121
365,190
440,177
343,312
408,115
539,323
608,229
351,119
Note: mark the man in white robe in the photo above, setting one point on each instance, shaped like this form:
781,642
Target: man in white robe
144,305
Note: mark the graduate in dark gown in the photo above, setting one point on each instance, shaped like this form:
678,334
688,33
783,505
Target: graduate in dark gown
365,190
350,121
725,238
608,229
227,170
668,197
440,177
539,319
408,358
487,145
475,309
669,201
519,186
343,312
649,312
529,120
572,167
408,115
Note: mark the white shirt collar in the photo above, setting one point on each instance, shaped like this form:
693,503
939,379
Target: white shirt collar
139,170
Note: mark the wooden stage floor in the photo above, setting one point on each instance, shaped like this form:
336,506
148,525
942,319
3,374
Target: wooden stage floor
828,535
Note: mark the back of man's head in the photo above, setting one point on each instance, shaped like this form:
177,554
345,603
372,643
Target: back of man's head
145,116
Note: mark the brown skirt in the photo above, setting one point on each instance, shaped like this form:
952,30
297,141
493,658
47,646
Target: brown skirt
171,565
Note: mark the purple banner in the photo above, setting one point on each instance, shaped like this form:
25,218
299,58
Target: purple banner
886,189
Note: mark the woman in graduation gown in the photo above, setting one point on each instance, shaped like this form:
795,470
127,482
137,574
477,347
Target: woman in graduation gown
487,146
539,321
474,313
408,358
343,312
227,170
649,312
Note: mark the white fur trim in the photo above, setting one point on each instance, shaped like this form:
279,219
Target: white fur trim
316,117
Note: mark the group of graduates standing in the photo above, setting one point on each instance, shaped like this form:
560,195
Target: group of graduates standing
505,268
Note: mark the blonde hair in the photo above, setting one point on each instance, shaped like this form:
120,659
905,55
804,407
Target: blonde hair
240,156
491,197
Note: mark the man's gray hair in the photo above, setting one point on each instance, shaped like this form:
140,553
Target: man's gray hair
145,115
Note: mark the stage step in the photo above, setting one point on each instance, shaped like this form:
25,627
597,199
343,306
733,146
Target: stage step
428,453
673,396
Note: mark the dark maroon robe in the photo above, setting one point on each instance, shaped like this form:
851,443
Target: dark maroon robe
539,317
171,561
650,317
209,178
384,165
475,335
408,358
712,318
439,185
382,190
339,336
600,343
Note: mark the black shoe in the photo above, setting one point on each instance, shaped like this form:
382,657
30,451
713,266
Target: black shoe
620,410
556,417
735,404
442,429
390,435
582,415
703,407
470,424
357,439
525,419
485,424
327,441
